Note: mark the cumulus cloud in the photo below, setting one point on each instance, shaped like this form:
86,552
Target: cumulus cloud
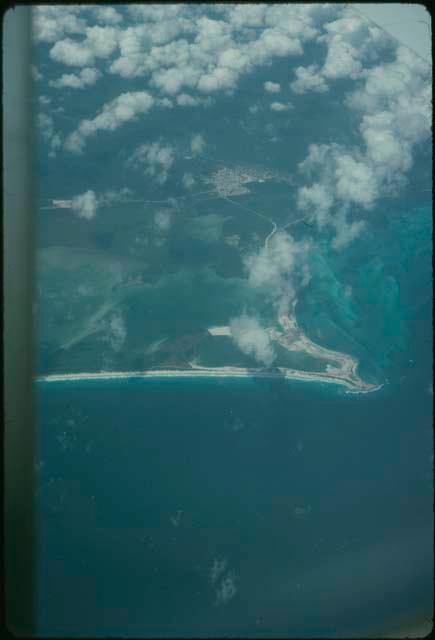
223,580
272,87
186,100
394,105
316,200
346,231
188,181
36,74
99,42
186,50
155,158
115,113
252,338
86,78
352,44
111,197
197,144
51,23
71,53
180,50
309,79
107,15
343,178
355,181
163,220
280,106
279,269
218,568
45,124
227,588
85,205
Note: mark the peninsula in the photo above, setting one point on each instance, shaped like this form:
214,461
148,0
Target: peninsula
341,368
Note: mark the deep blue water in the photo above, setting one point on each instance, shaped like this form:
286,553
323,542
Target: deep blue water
320,502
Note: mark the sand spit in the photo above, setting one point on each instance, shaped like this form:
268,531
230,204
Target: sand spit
343,372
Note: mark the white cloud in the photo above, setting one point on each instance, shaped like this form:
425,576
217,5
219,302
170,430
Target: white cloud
165,102
163,220
218,568
184,100
342,60
394,104
355,181
346,231
115,113
180,50
85,205
316,201
197,144
188,181
107,15
383,147
252,338
273,42
72,53
36,74
51,23
99,42
242,16
183,49
279,268
272,87
45,124
157,159
308,79
55,145
344,177
111,197
227,589
177,46
351,43
86,78
44,100
280,106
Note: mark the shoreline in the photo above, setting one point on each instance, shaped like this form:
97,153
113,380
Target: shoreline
204,372
341,368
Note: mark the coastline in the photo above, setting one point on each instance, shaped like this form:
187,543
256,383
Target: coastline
212,372
341,368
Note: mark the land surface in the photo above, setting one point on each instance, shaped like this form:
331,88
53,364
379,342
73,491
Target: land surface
341,368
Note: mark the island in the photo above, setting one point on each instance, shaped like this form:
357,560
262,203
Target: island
340,369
